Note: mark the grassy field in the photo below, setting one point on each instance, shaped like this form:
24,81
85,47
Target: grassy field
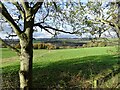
60,68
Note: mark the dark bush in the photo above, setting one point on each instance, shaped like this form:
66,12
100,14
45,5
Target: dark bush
57,47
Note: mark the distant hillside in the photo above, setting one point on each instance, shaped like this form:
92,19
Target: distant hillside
61,41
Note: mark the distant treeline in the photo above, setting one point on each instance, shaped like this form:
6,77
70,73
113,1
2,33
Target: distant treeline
57,43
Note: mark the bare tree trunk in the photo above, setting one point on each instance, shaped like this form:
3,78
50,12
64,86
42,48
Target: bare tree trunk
25,72
26,58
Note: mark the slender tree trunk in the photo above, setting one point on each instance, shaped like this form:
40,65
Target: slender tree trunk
26,58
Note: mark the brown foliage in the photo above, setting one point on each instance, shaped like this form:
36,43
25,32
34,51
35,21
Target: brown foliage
48,46
95,44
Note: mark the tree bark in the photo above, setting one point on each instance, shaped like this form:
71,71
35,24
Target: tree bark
25,72
26,58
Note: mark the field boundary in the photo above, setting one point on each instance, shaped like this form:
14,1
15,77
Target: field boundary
104,76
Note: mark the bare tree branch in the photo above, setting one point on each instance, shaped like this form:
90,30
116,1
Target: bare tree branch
10,35
25,4
75,32
9,46
20,8
113,24
49,27
45,29
106,22
37,6
55,6
10,19
108,16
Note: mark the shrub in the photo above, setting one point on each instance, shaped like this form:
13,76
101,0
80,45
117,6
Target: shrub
95,44
35,45
54,47
67,47
40,45
48,46
102,44
78,47
84,45
89,44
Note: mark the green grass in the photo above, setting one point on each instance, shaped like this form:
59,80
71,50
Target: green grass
7,53
61,68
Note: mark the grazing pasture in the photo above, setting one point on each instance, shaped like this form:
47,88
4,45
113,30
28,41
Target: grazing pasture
62,68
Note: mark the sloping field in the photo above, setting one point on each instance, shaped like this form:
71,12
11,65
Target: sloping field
63,68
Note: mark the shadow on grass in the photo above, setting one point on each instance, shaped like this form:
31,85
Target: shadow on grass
71,72
64,73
